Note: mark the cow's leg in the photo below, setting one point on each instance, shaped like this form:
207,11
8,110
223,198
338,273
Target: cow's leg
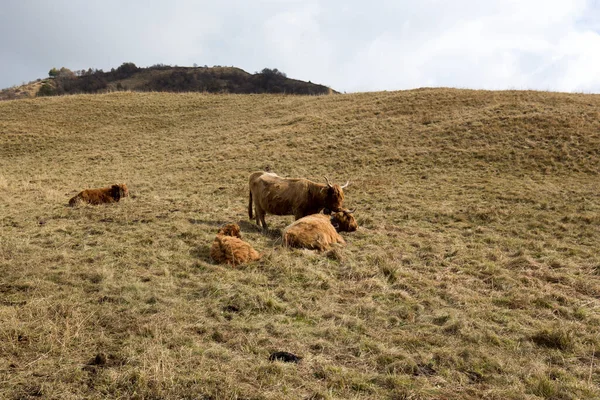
260,217
257,214
264,223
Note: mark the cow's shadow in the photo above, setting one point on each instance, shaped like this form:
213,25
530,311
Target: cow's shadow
250,227
215,223
244,224
202,252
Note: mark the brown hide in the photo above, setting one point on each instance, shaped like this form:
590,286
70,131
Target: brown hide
312,232
229,248
290,196
110,194
231,230
344,221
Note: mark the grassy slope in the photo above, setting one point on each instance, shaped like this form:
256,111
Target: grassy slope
25,91
475,272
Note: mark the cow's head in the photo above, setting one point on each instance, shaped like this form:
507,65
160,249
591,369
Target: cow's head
335,196
231,230
124,190
344,221
118,191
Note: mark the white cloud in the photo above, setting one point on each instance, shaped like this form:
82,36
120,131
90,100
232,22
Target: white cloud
350,45
492,45
580,61
300,47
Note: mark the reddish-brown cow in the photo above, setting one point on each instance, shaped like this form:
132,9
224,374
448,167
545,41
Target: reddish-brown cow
344,221
229,248
319,231
291,196
110,194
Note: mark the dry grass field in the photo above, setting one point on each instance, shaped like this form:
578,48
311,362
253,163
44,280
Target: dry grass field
475,272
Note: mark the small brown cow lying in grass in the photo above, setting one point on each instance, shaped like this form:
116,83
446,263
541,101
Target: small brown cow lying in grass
229,248
110,194
319,231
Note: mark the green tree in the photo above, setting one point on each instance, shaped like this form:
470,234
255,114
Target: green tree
126,70
46,90
65,73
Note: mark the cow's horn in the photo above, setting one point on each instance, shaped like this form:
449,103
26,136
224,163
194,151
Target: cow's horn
351,211
345,185
327,180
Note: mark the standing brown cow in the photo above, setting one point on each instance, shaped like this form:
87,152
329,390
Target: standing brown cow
291,196
109,194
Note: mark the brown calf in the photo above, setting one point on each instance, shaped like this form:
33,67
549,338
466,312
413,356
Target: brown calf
110,194
291,196
229,248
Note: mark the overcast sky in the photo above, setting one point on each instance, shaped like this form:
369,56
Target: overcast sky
348,45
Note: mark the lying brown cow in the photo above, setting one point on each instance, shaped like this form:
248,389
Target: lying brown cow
110,194
319,231
288,196
229,248
344,221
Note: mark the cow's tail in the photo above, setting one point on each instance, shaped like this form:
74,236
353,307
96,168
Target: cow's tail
250,205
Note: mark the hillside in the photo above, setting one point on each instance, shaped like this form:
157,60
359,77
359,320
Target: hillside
163,78
475,272
25,91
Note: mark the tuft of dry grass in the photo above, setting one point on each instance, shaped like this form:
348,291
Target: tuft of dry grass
474,273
